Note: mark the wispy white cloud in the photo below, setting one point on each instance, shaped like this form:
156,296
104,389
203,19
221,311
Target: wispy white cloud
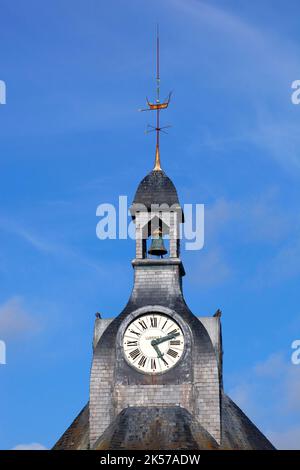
262,221
16,320
212,269
257,219
269,393
277,53
270,124
221,19
288,439
277,137
36,241
32,446
282,266
44,245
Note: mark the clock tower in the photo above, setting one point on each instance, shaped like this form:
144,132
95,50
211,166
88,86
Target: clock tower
156,353
156,375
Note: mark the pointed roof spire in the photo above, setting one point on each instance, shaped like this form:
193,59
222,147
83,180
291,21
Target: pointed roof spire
157,166
157,106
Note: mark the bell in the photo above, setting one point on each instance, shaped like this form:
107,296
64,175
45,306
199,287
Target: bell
157,247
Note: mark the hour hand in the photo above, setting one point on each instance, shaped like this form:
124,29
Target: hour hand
157,350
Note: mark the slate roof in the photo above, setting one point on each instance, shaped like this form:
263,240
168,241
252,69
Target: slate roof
152,428
238,432
156,188
175,427
76,437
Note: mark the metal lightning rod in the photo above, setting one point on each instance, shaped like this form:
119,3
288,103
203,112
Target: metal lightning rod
157,106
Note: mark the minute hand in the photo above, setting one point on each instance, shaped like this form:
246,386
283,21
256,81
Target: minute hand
157,341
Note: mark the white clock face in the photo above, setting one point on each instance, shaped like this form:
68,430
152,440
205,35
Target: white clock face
153,343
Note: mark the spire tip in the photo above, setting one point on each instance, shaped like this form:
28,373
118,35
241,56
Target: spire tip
157,166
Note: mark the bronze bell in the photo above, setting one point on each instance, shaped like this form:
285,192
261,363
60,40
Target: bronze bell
157,247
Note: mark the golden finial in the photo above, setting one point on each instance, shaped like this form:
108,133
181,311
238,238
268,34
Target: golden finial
157,106
157,166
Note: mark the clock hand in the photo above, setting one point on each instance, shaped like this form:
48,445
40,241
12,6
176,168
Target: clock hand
164,338
157,350
157,341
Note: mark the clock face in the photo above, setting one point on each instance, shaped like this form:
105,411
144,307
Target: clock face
153,343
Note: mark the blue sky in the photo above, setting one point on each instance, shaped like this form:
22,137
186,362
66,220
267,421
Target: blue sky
71,138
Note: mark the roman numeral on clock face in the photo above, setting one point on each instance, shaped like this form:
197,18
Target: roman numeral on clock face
142,361
172,353
164,361
153,322
132,343
143,324
134,354
175,342
153,364
135,332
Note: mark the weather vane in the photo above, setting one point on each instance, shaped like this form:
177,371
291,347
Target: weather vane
157,106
